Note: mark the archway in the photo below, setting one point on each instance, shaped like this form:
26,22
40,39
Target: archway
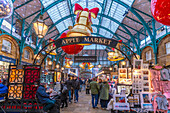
85,40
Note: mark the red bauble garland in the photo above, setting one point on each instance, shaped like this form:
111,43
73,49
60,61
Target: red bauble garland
71,49
160,10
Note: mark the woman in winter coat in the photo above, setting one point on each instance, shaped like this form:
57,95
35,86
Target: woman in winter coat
104,94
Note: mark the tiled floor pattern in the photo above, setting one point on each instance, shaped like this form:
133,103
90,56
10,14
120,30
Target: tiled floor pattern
83,106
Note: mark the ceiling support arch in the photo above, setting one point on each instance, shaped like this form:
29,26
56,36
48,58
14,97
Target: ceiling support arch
153,37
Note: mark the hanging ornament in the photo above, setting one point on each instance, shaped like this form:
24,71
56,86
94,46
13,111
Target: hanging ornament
71,49
6,8
83,65
160,11
50,47
67,64
90,65
115,55
83,22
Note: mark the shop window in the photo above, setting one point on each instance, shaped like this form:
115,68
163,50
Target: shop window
148,55
6,46
168,48
27,54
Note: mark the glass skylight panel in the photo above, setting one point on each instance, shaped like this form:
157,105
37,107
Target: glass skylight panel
101,1
128,2
95,21
105,22
61,27
94,29
107,7
68,22
93,46
101,31
47,2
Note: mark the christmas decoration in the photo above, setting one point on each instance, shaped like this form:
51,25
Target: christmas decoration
160,11
71,49
6,8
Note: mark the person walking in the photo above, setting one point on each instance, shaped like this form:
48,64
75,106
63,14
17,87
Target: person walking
76,87
87,86
64,92
81,84
104,94
69,86
94,92
99,84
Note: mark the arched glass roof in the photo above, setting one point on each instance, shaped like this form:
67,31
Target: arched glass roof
106,7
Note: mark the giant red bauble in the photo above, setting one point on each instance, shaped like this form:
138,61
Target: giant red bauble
160,10
71,49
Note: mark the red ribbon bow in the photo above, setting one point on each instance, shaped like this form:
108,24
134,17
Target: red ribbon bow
93,11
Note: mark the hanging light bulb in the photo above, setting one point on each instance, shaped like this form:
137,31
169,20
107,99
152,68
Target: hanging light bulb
110,68
57,66
50,63
6,8
40,27
62,68
71,62
99,65
123,63
38,57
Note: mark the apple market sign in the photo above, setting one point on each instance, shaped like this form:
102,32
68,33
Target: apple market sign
85,40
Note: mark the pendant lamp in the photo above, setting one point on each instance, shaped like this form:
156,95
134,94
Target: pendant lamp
40,27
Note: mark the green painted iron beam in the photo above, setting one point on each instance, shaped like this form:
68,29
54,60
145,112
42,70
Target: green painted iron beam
141,20
52,31
103,9
43,11
23,4
143,12
134,29
120,24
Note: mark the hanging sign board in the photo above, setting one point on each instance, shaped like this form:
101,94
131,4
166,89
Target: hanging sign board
84,40
85,59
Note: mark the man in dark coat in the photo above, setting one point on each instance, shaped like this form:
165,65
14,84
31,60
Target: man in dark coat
44,98
64,93
81,83
69,85
76,87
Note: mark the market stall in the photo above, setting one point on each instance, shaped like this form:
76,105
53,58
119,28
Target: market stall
140,88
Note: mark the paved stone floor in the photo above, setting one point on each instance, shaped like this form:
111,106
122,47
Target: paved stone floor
83,106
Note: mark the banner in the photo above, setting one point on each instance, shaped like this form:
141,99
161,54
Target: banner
86,39
85,59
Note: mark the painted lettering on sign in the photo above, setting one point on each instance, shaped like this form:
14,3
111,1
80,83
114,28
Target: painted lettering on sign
97,40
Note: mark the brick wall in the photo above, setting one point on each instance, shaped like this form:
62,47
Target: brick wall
143,55
31,56
163,58
14,47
